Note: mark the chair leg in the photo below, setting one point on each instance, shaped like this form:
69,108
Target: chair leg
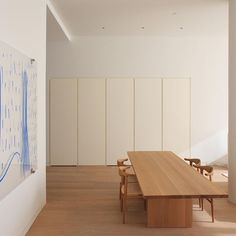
121,203
145,204
212,210
124,209
202,203
199,202
120,192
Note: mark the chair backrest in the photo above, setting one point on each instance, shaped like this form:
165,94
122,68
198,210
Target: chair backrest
124,173
120,170
121,162
193,161
206,171
121,166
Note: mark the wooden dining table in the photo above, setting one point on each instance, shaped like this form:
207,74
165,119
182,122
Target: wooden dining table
169,184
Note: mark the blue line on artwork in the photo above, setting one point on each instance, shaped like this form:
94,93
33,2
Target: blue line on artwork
25,139
8,164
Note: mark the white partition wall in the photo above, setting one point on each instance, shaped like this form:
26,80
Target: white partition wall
63,122
148,114
176,116
120,118
91,121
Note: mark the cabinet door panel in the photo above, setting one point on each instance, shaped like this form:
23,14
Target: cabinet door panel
120,118
176,116
63,122
91,120
148,114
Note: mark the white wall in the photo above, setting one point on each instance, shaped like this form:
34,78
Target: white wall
202,58
23,26
232,99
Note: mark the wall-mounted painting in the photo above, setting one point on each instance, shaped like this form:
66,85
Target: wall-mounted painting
18,118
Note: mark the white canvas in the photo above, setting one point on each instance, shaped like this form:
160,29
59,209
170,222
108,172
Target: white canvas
18,118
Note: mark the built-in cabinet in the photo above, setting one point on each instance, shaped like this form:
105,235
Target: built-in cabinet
95,121
63,122
91,121
148,114
120,118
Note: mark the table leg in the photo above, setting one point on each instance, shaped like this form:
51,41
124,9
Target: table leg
169,213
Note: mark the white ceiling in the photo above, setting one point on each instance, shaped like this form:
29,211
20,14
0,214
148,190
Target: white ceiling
141,17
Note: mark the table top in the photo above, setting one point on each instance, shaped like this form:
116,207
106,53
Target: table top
162,174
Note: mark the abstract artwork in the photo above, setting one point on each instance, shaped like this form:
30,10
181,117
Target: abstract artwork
18,118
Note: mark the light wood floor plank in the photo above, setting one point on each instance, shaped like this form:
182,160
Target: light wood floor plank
83,201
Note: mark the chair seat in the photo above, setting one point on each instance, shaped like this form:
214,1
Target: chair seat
133,190
129,171
132,177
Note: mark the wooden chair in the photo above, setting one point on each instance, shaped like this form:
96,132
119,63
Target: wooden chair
194,162
132,176
129,190
121,162
208,172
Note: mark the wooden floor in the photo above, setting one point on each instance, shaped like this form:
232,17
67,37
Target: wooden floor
83,201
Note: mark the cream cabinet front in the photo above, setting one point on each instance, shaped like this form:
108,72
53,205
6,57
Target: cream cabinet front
91,122
95,121
63,122
120,118
148,114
